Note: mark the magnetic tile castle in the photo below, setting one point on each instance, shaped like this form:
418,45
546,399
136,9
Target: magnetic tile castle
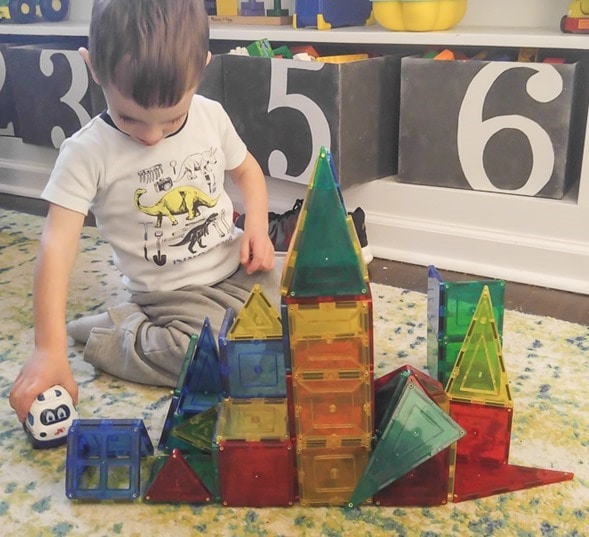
284,407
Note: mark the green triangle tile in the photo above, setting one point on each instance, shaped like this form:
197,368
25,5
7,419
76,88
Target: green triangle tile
203,465
198,430
479,374
325,262
258,319
186,365
418,430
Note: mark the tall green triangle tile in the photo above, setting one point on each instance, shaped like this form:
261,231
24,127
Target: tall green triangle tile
479,374
417,430
258,319
324,261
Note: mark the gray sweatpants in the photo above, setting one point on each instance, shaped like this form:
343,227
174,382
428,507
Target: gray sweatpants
151,332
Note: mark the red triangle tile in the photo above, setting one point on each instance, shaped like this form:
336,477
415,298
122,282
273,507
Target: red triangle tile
475,480
176,482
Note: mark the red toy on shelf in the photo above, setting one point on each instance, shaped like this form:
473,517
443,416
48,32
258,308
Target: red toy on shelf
576,21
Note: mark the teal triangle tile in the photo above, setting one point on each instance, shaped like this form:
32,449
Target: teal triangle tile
418,429
326,263
186,365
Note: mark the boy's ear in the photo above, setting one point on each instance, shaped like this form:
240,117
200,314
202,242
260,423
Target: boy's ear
86,57
208,58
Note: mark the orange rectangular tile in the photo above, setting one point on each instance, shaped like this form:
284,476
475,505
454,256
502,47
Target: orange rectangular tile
333,402
342,353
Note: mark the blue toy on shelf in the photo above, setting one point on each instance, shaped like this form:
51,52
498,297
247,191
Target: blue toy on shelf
325,14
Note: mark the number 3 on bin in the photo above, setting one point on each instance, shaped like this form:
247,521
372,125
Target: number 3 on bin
279,98
74,94
474,132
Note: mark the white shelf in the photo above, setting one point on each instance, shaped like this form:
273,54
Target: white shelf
64,28
458,36
505,36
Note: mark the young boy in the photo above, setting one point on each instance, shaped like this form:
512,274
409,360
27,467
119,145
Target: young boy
151,169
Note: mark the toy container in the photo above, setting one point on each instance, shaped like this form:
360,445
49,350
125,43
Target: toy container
501,125
70,97
352,107
419,15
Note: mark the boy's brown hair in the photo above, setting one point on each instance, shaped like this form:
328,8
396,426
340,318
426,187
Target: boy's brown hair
152,51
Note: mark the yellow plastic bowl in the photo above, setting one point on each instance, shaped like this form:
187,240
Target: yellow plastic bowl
419,15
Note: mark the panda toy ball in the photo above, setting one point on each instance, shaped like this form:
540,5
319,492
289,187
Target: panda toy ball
50,418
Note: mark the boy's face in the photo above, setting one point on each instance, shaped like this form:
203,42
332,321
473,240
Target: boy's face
146,126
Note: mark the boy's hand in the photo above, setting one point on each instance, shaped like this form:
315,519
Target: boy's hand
256,252
40,372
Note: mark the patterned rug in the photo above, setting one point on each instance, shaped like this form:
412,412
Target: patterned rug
547,361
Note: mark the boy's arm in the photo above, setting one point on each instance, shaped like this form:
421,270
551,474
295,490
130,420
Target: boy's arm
48,364
257,251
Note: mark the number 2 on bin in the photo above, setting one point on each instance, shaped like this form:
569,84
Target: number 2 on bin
474,132
9,128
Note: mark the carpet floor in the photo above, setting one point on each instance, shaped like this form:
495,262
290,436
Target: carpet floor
547,363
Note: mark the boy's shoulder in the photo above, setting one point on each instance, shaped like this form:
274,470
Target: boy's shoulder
93,141
205,109
206,103
96,127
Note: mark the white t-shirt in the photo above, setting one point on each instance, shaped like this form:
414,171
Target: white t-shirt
163,209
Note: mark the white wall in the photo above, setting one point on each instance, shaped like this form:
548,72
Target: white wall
526,13
80,10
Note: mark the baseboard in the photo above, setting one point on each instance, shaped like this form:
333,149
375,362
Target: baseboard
547,263
26,172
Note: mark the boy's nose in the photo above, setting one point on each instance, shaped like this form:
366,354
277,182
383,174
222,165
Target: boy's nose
150,135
